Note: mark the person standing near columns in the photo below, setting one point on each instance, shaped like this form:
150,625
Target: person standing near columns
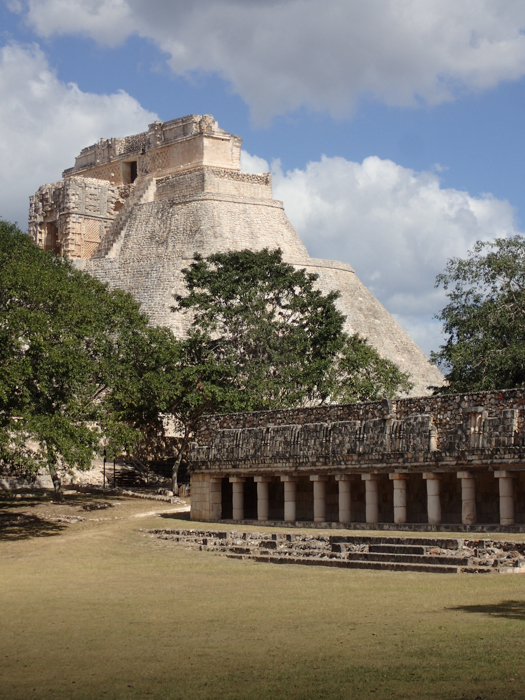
506,497
400,497
290,498
237,483
468,498
433,498
371,497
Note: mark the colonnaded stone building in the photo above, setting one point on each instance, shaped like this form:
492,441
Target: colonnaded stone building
132,212
441,462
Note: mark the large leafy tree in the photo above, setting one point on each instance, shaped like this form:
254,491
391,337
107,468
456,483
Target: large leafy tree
80,367
64,339
167,384
260,337
281,339
267,322
485,318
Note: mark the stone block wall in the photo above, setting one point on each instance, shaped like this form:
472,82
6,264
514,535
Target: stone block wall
177,144
205,498
183,186
431,432
72,216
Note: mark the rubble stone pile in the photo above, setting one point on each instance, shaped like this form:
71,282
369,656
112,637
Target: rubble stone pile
424,554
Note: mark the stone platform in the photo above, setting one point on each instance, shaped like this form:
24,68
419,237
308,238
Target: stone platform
422,554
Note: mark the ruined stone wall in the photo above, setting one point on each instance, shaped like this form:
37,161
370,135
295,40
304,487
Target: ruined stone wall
72,216
182,186
134,210
166,146
448,431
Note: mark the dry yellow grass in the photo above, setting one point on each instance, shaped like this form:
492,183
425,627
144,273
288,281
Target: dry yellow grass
97,609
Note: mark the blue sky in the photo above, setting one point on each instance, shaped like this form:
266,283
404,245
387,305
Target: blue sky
394,128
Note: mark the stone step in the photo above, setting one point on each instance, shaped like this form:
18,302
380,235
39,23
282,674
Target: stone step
392,554
408,558
441,542
396,549
344,564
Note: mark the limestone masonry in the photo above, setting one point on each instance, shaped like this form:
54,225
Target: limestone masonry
133,211
432,555
439,462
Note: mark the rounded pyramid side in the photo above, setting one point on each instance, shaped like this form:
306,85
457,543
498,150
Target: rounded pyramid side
367,317
159,240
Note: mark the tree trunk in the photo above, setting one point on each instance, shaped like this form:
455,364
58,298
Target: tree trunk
176,464
57,484
175,474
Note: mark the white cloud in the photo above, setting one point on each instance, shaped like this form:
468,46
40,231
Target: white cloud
281,54
253,164
109,21
396,227
45,123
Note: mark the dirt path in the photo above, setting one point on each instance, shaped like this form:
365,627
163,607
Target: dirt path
36,515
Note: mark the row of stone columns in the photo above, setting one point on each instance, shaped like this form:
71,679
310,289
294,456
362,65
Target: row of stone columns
433,481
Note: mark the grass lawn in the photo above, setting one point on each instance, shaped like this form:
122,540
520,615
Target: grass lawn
97,609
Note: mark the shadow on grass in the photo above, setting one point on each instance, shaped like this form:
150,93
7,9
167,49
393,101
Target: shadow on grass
176,516
511,609
21,526
28,499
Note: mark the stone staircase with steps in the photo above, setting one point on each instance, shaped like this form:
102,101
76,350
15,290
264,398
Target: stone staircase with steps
421,554
109,246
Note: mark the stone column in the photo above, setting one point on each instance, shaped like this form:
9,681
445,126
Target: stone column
237,483
468,498
290,498
433,498
216,498
345,497
319,497
506,497
400,497
263,500
371,497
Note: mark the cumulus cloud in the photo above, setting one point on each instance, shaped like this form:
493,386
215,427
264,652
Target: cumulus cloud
395,226
45,123
253,164
281,54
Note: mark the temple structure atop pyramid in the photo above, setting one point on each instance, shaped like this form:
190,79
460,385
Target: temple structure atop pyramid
133,211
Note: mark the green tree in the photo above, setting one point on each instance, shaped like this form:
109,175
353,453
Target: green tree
264,320
281,339
164,381
360,374
63,340
485,318
260,337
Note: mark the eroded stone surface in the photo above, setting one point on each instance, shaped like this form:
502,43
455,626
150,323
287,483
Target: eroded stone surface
134,210
425,554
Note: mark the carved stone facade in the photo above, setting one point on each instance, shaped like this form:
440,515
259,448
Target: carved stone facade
72,216
134,210
436,460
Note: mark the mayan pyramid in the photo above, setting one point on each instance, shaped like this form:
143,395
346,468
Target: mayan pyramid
132,212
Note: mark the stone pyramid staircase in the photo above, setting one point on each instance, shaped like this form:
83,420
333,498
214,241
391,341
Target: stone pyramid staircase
109,246
423,554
